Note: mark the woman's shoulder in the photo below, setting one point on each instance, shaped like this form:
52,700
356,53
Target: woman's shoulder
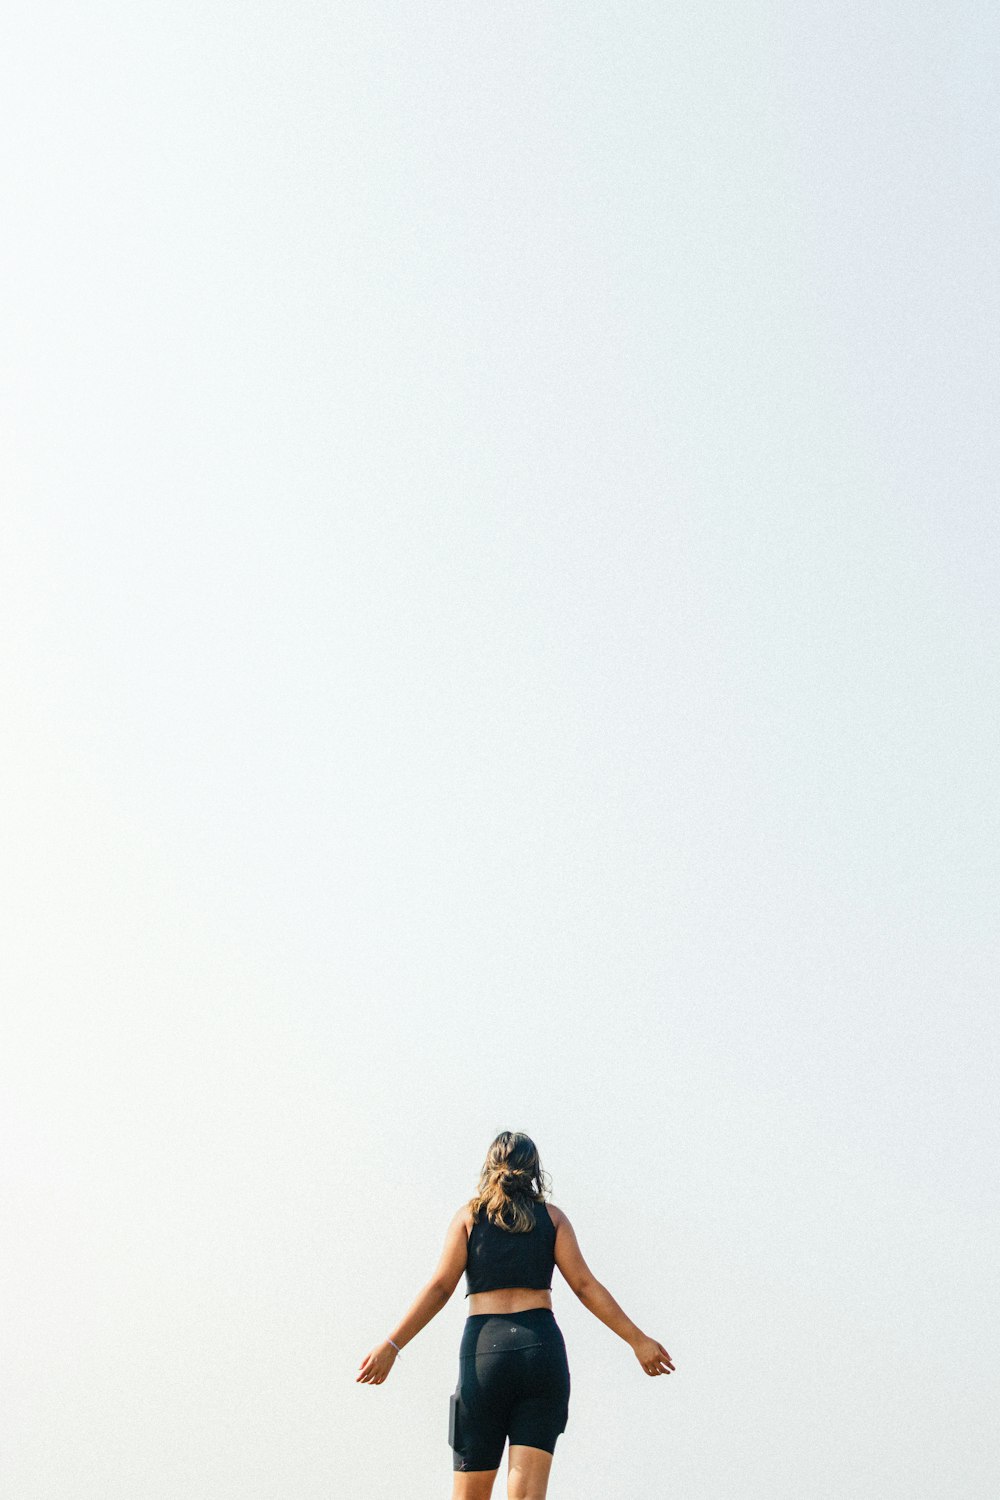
464,1217
556,1215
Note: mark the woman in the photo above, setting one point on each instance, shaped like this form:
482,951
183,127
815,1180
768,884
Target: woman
513,1377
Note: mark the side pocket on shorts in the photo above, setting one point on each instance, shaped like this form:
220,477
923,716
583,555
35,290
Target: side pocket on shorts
454,1432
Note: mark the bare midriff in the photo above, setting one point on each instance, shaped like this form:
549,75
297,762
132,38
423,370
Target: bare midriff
508,1299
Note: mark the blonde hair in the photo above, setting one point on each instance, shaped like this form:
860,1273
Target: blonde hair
511,1182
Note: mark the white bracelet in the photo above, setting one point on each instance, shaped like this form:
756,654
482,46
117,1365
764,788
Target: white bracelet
394,1345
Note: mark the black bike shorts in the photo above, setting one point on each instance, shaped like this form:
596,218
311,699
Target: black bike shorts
513,1382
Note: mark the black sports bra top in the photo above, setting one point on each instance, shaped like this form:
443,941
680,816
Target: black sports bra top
501,1258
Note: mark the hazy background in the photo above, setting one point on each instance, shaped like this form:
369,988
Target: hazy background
499,616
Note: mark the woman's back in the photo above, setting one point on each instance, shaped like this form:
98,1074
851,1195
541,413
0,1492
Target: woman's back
499,1258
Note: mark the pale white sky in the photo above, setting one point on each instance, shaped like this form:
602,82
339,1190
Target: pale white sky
498,597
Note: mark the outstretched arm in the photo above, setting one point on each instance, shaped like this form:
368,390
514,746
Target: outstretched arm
429,1301
597,1299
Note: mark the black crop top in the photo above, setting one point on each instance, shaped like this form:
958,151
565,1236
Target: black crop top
501,1257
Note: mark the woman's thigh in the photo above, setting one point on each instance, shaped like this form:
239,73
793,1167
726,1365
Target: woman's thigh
527,1472
474,1486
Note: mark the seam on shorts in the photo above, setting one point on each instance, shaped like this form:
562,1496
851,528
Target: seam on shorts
492,1353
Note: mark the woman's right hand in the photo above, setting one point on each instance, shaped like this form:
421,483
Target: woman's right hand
652,1356
376,1365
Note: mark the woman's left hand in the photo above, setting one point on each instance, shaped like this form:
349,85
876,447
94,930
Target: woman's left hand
376,1365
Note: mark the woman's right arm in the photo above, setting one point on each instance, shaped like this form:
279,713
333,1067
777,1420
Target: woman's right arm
597,1299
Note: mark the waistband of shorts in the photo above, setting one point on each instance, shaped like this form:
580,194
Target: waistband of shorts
530,1317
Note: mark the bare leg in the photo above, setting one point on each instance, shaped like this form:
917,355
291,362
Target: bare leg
478,1485
527,1472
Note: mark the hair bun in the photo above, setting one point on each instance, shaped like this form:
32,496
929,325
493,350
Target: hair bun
508,1191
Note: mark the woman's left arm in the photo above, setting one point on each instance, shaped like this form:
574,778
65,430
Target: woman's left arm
376,1365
